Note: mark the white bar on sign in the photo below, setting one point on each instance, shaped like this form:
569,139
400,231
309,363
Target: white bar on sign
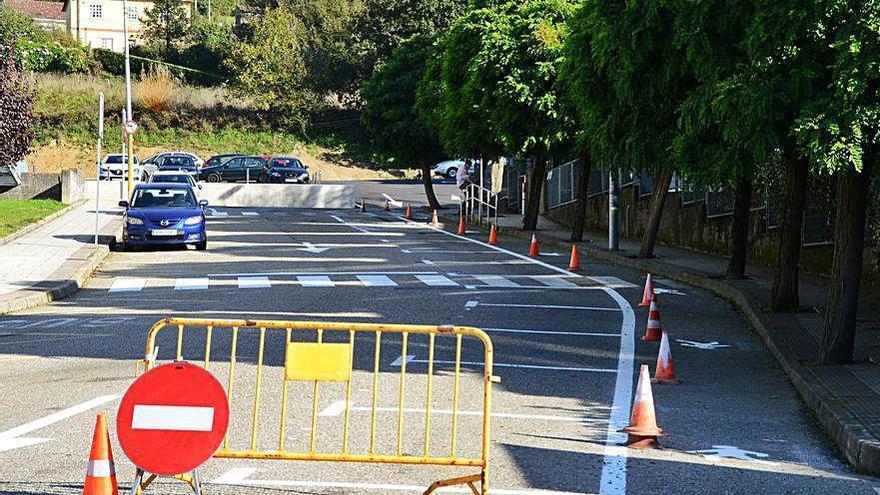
176,418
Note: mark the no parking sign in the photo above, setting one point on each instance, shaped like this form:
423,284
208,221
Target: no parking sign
172,419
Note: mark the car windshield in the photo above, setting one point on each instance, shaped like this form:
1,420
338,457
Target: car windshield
286,163
178,161
163,198
118,159
176,178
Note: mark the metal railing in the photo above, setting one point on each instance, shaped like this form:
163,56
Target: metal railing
562,184
325,353
480,203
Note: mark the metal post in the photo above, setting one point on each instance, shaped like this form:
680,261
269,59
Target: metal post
247,176
98,164
482,189
128,111
613,210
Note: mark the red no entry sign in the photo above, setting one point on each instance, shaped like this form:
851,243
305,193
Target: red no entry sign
172,419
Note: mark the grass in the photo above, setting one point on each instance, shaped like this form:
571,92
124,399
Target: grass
15,213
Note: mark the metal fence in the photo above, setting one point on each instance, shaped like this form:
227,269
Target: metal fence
562,184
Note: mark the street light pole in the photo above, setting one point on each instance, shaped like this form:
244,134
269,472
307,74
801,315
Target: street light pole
128,113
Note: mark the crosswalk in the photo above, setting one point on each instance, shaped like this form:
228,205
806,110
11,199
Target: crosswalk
349,279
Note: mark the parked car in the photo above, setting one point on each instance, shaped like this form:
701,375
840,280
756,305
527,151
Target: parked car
115,166
285,169
179,163
218,159
165,158
163,214
235,169
176,177
449,168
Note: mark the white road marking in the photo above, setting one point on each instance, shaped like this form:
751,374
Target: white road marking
436,280
355,227
706,346
128,285
11,439
172,418
555,282
315,281
310,248
497,281
550,332
282,274
472,304
191,284
397,362
250,213
376,281
613,282
428,262
613,480
238,476
391,200
253,282
674,292
551,254
338,407
384,240
406,251
509,365
732,452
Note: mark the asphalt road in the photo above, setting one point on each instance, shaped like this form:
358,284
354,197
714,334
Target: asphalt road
567,349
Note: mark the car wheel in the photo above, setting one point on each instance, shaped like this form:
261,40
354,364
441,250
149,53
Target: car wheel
214,178
202,246
450,174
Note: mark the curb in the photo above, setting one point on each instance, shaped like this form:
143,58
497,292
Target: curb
27,229
860,448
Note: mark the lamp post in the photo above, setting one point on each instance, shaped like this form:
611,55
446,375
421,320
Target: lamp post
128,113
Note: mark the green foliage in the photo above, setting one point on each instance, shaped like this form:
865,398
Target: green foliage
208,44
15,25
16,103
389,115
165,25
15,214
52,56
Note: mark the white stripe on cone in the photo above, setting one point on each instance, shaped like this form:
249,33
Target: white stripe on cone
665,356
101,469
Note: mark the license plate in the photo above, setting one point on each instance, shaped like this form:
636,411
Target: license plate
291,180
164,232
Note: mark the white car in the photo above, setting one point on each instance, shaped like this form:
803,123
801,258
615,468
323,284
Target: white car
176,177
115,166
449,168
154,162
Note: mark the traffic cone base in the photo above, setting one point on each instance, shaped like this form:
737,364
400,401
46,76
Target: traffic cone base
574,264
435,222
462,229
493,236
534,251
387,205
408,215
653,332
648,294
101,473
643,430
664,373
363,205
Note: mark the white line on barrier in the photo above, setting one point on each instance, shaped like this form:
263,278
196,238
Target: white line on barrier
550,332
473,304
338,407
412,359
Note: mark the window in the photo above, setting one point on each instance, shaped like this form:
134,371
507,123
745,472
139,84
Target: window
107,43
235,163
96,11
132,13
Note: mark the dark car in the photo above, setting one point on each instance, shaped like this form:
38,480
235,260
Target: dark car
163,213
182,163
218,159
239,168
285,169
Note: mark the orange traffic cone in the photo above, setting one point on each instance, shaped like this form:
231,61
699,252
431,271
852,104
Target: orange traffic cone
101,473
643,430
408,215
533,249
435,222
363,205
493,236
462,229
653,332
387,205
665,371
648,294
575,263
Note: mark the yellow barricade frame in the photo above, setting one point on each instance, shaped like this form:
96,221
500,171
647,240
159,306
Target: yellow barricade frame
335,374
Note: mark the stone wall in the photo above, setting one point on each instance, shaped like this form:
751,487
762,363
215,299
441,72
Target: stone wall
67,187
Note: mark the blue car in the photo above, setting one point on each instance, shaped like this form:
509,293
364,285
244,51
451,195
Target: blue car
163,214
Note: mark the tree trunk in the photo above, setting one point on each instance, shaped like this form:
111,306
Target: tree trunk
533,200
739,230
784,296
583,190
429,186
658,200
838,338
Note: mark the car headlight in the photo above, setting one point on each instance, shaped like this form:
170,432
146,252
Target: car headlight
193,220
134,221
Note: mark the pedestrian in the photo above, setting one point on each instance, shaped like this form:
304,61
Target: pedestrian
462,177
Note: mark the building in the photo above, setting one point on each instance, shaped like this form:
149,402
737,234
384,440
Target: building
98,23
50,15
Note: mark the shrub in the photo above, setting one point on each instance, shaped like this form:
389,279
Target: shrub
52,56
16,100
155,89
111,62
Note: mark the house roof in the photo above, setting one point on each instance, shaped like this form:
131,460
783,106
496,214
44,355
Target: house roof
38,9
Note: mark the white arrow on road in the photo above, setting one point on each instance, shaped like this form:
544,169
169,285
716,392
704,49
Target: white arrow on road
392,200
732,452
707,346
309,247
675,292
12,439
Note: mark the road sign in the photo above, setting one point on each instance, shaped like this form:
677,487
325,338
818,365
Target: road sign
131,127
172,419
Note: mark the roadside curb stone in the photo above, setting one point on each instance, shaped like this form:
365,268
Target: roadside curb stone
853,439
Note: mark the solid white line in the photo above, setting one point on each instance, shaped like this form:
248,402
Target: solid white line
550,332
355,227
512,365
57,416
376,281
496,281
127,285
191,284
338,407
282,274
250,213
541,306
613,282
253,282
555,282
315,281
613,480
436,280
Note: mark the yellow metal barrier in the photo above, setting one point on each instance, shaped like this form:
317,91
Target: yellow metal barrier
321,361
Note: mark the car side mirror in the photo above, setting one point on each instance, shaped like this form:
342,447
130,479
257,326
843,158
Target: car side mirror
203,203
123,204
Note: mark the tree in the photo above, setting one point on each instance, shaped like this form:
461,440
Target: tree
165,25
389,115
16,109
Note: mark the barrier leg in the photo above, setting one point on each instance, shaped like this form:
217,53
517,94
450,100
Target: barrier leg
465,480
138,478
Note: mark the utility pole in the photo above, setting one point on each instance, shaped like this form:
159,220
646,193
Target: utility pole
613,209
98,182
128,113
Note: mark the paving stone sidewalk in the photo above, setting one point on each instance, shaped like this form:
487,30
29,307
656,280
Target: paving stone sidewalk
845,399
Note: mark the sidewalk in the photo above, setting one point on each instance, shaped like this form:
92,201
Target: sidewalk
54,260
844,399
